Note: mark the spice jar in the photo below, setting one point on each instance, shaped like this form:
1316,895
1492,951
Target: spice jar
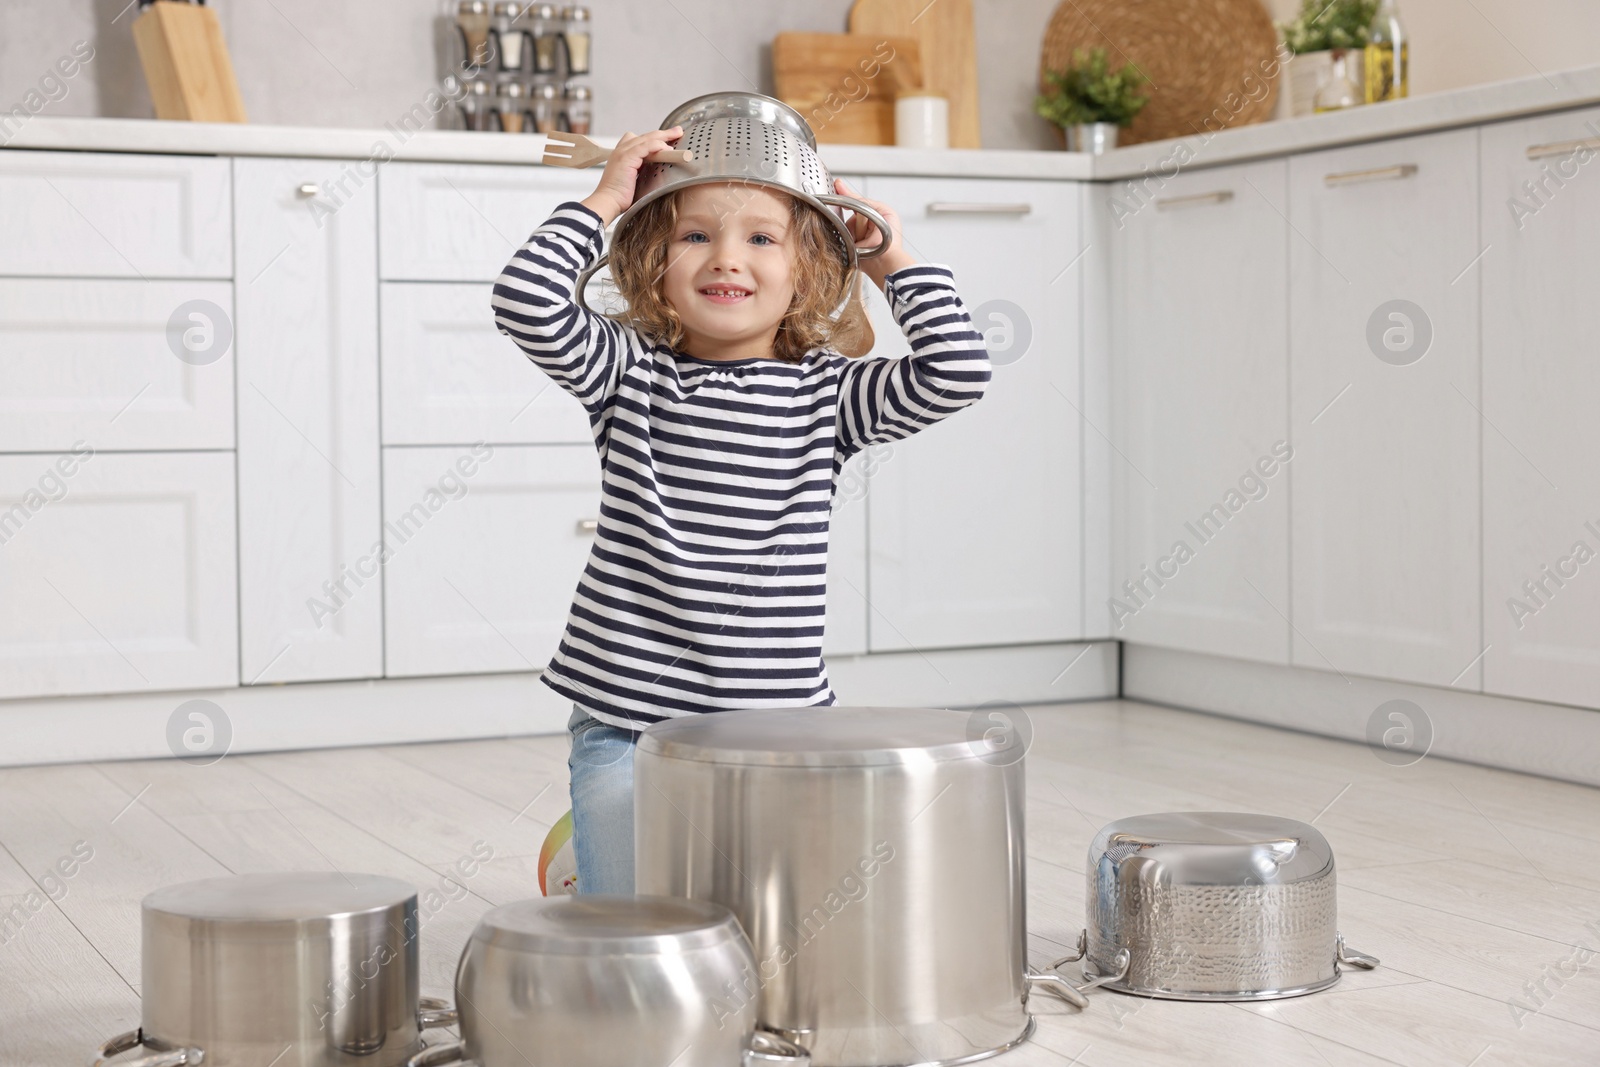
546,25
476,105
546,108
472,23
579,107
510,33
576,38
511,103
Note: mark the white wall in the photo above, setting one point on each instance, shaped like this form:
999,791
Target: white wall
364,62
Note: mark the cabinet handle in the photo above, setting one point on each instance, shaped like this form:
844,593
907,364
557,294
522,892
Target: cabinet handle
308,190
1221,196
588,525
950,207
1563,148
1380,174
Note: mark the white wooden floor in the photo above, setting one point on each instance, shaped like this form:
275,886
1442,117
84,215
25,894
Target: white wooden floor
1474,886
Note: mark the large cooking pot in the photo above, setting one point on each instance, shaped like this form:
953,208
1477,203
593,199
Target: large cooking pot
602,981
1212,905
875,858
303,969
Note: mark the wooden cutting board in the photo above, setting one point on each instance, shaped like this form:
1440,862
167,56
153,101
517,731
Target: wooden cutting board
949,52
186,63
844,84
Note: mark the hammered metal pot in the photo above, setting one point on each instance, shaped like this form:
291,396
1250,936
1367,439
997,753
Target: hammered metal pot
1212,906
753,139
297,969
875,858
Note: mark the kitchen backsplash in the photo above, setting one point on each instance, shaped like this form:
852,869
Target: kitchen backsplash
364,63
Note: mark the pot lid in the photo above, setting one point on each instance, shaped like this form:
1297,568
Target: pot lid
597,925
820,736
1212,848
292,896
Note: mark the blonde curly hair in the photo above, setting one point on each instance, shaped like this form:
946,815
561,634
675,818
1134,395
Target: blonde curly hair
821,275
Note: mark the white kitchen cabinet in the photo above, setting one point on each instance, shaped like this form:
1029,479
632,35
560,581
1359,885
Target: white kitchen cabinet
845,630
307,305
117,573
485,547
460,222
1541,390
92,214
974,524
1385,409
450,378
1198,311
90,360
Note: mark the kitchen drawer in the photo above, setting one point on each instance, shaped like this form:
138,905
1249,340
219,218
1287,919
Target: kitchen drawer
82,214
456,222
91,360
485,546
450,377
117,573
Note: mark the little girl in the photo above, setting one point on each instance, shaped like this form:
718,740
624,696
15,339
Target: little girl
722,418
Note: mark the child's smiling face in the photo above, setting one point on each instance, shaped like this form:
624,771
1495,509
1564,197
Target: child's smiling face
730,268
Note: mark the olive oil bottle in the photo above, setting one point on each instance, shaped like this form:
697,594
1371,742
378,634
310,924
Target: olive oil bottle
1388,55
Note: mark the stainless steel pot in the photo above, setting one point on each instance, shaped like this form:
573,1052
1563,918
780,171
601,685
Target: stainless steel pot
1212,906
755,139
306,969
598,981
875,858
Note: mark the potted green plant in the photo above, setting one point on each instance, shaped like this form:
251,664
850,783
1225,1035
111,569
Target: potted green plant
1090,101
1321,34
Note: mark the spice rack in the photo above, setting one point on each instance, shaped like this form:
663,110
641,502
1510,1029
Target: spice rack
520,67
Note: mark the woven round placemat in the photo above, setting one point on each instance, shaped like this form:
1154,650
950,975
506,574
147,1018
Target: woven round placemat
1212,64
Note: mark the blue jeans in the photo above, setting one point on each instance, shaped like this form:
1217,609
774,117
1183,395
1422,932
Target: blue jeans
601,765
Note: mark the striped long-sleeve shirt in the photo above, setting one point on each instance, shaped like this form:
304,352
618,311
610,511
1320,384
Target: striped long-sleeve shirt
704,590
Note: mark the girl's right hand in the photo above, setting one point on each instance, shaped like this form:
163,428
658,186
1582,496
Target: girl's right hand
614,194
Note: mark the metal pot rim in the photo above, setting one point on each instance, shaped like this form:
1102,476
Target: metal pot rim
791,737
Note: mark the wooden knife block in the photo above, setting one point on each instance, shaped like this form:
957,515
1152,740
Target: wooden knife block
186,63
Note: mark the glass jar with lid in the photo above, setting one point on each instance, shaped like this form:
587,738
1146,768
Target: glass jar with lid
545,21
476,105
511,105
576,37
579,107
510,34
546,108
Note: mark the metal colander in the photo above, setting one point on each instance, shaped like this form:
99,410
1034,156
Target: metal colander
748,137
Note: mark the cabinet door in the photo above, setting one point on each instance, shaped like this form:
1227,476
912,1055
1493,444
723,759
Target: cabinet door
114,215
307,340
485,547
1541,505
1200,403
1384,364
461,222
974,523
450,377
117,573
93,360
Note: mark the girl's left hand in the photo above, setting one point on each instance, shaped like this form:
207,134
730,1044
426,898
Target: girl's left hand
865,235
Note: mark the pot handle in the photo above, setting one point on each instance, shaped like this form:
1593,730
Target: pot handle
440,1056
763,1047
433,1012
133,1039
856,206
1352,958
583,281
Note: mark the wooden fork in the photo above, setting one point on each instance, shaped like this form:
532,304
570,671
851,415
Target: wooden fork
576,150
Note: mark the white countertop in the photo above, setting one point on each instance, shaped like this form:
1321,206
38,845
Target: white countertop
1419,114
